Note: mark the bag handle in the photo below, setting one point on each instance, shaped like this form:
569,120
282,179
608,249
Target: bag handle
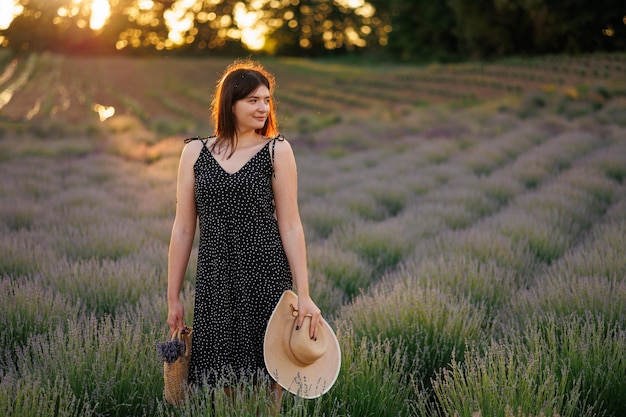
184,335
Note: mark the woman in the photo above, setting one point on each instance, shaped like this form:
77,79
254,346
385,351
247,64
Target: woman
241,185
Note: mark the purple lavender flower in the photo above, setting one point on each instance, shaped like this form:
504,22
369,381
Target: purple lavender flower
170,351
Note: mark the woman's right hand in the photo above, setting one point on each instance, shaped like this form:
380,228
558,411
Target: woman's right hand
175,316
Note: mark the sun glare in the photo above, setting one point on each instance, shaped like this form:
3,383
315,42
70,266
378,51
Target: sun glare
100,13
252,30
9,10
145,4
179,19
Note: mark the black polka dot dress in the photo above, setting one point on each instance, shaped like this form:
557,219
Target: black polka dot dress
242,268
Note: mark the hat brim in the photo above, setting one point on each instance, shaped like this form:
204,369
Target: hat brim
304,381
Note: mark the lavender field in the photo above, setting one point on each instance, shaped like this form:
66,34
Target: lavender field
466,231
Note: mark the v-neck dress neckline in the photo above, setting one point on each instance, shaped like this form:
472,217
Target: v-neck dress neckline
244,165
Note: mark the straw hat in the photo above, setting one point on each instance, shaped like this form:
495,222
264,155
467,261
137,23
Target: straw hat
305,367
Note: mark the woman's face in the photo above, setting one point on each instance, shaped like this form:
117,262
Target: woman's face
251,112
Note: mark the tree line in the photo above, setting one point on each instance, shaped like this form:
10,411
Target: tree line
453,29
419,30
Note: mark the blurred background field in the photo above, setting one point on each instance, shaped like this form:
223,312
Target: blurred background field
466,228
65,94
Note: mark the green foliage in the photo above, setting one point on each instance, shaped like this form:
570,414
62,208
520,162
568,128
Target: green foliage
485,246
543,239
500,188
589,348
609,161
112,284
106,363
166,128
445,30
21,256
364,205
408,30
566,366
344,269
602,255
249,399
311,123
422,30
322,218
483,29
367,366
30,308
382,246
33,397
439,151
93,240
533,104
328,295
425,322
483,283
567,296
80,144
20,215
504,378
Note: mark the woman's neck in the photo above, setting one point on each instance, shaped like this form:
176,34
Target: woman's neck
246,139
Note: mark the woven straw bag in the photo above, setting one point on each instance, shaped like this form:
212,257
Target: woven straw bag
175,374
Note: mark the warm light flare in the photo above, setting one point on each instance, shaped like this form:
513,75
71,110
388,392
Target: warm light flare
354,4
7,94
9,10
145,4
100,13
252,30
179,19
104,112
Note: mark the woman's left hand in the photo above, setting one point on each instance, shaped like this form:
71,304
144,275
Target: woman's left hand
306,307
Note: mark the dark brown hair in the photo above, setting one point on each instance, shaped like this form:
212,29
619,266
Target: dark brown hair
240,79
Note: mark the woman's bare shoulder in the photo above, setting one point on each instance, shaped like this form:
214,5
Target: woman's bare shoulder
192,150
282,145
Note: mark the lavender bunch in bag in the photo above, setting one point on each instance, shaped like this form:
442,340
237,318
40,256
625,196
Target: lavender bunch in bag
170,351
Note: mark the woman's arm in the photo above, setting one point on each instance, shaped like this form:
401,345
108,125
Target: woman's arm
285,185
183,232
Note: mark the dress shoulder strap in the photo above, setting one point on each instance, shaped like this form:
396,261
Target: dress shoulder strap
274,139
204,139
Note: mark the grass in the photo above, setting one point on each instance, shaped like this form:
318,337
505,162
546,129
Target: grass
503,379
382,245
33,397
367,366
106,361
343,268
471,259
567,296
428,323
482,283
30,308
601,255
